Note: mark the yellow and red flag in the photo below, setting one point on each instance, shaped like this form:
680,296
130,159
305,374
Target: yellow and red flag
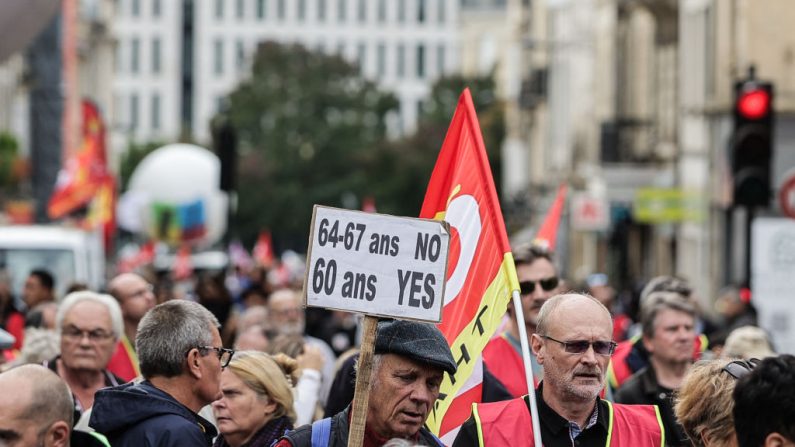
85,171
481,273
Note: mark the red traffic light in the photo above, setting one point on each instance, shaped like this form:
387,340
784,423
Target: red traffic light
753,104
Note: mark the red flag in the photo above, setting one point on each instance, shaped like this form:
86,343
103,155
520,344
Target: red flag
183,267
145,255
548,232
368,204
83,173
481,273
263,250
102,211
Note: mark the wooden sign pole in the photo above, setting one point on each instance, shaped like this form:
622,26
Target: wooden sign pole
362,394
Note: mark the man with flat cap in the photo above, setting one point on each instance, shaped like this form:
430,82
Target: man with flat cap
409,363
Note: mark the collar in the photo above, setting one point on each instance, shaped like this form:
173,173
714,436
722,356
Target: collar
650,386
557,424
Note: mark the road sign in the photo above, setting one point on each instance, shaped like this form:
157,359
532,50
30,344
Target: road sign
772,270
786,195
376,264
589,213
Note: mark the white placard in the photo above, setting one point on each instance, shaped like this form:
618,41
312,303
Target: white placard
772,271
376,264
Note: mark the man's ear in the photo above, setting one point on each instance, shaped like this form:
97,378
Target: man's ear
57,435
194,363
775,439
647,344
536,344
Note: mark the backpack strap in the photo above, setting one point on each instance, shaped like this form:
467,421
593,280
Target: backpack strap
321,432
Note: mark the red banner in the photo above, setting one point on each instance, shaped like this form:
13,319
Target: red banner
83,173
481,272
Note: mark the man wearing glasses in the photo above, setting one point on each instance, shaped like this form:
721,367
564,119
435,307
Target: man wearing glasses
181,358
89,324
573,343
538,281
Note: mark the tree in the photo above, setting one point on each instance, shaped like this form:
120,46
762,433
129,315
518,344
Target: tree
307,125
132,157
403,168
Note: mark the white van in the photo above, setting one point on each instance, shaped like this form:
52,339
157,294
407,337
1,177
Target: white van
70,254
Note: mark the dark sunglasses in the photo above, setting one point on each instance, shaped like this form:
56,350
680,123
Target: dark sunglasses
581,346
547,284
740,368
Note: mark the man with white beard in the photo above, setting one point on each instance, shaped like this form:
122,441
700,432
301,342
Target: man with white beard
573,342
286,316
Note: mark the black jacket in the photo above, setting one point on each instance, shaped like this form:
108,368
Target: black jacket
643,388
140,415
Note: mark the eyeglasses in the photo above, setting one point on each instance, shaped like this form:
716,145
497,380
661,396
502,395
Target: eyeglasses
224,354
73,333
547,284
581,346
740,368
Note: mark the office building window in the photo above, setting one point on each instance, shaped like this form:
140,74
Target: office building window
342,10
218,57
135,49
280,9
136,8
401,11
219,9
301,10
420,61
381,11
321,10
441,13
362,11
420,108
262,5
240,55
134,112
118,57
361,56
341,49
381,59
240,9
156,55
156,8
440,62
420,11
400,55
155,111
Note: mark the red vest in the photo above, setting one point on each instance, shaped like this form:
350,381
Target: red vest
124,362
506,365
508,424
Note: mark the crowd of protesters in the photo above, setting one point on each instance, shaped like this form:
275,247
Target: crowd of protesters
236,360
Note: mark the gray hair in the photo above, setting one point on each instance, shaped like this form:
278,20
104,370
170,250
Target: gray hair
549,307
656,302
167,332
110,303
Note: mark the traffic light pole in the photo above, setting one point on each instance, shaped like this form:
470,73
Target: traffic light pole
749,218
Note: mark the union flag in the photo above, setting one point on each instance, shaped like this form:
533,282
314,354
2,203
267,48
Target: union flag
481,274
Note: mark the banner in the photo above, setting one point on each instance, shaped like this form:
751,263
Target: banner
263,249
481,272
85,171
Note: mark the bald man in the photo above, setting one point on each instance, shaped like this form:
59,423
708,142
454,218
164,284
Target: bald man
135,296
36,409
573,342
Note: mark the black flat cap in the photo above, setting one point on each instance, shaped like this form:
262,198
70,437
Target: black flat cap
421,342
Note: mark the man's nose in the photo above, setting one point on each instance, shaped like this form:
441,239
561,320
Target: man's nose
589,356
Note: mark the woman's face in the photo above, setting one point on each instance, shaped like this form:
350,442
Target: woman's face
240,412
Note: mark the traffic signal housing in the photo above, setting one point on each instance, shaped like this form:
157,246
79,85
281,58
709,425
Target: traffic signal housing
752,142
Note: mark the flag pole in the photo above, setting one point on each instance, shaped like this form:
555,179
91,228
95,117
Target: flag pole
528,367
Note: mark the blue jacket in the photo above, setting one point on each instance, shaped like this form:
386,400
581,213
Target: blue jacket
140,415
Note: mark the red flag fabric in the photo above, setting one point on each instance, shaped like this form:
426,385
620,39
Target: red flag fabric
145,255
183,267
481,273
263,250
83,173
548,232
102,211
